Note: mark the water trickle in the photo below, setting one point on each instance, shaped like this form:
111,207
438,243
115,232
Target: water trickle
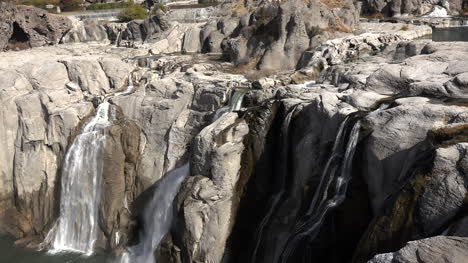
274,201
337,172
129,89
117,40
157,217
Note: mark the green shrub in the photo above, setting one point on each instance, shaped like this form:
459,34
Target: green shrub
115,5
404,28
157,7
132,12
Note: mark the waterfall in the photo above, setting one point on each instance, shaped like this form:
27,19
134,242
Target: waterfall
273,203
129,87
235,103
337,172
77,226
76,229
117,40
157,217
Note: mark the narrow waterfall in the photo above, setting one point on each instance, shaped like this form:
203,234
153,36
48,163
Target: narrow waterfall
76,229
118,39
273,203
157,216
77,226
129,89
235,103
337,172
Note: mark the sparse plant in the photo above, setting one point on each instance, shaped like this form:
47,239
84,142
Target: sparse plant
404,28
157,7
333,3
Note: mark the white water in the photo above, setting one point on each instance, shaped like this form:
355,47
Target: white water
77,226
129,89
438,12
235,103
157,217
76,229
117,40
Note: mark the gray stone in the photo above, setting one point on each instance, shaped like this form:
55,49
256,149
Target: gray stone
437,250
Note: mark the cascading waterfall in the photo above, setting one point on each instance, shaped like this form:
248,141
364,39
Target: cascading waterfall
338,172
76,229
273,203
158,214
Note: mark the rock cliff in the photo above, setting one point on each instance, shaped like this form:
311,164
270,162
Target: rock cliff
377,143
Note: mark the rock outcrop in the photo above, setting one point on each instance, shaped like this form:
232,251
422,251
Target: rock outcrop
436,249
23,27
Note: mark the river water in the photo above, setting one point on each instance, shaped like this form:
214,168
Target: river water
450,34
11,253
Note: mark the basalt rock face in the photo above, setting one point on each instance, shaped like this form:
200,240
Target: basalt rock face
275,36
23,27
266,36
47,98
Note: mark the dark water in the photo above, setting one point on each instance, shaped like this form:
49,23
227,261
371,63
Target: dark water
9,253
450,34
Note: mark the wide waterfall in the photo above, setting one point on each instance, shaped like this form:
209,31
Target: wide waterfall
337,172
77,226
